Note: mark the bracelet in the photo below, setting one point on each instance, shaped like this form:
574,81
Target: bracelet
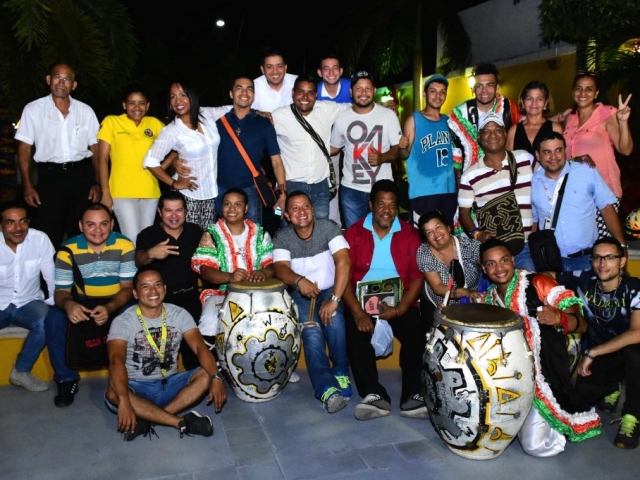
587,353
472,233
217,376
173,184
563,326
280,189
296,285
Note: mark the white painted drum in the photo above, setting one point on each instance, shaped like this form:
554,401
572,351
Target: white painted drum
258,340
478,378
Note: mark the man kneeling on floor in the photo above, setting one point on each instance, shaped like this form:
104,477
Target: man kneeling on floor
145,387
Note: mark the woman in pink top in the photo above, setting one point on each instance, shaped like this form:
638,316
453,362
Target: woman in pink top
596,130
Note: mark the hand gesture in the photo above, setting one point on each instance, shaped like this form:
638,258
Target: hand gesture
624,110
163,250
403,143
375,157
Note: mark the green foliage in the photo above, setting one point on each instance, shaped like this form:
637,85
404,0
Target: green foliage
94,36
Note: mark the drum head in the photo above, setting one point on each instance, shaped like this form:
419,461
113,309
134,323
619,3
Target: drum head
479,315
269,285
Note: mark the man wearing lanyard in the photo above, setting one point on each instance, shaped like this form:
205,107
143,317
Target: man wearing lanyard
585,193
64,132
145,387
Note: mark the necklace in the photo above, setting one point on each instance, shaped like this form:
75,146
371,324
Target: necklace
306,239
598,286
451,246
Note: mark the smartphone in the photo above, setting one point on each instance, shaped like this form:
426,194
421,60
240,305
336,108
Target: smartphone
278,211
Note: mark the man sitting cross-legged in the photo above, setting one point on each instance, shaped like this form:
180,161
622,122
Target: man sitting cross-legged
145,387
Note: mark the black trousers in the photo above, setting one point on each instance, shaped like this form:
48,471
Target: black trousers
64,196
607,371
410,330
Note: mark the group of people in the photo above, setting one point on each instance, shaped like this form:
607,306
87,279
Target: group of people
330,150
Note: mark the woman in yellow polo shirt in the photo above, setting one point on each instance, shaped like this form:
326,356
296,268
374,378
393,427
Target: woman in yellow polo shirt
129,189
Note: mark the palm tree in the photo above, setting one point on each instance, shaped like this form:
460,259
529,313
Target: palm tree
386,36
94,36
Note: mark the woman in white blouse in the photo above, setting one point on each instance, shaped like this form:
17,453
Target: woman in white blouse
193,134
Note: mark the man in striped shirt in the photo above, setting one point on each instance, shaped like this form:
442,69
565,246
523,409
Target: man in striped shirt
105,260
489,178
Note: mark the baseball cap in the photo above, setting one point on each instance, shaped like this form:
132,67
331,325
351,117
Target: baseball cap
436,78
360,75
491,117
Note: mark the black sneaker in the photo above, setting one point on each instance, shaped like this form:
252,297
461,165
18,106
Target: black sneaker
609,404
372,406
195,424
144,428
414,407
66,393
628,432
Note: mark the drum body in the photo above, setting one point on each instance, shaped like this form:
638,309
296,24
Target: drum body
258,340
478,378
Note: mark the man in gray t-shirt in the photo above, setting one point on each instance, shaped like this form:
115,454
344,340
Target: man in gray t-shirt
312,256
145,387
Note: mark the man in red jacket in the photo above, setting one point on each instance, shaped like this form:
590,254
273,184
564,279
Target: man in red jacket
383,249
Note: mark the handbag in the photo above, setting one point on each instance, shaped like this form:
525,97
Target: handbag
86,341
333,186
263,186
501,215
543,245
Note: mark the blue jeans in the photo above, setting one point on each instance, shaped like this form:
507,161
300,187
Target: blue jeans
354,203
255,204
30,316
314,339
55,327
317,192
523,259
577,263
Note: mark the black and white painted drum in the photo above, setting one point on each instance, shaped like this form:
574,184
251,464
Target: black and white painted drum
258,340
478,378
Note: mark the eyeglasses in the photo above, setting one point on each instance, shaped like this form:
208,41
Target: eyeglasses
605,258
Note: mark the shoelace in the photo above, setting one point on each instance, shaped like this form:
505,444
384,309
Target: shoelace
327,394
343,381
628,424
612,398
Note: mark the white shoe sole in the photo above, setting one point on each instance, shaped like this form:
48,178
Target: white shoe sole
420,413
369,412
32,388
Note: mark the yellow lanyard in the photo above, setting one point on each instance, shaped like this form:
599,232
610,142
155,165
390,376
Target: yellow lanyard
163,341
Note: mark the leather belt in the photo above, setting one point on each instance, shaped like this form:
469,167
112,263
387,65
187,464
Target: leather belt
581,253
66,165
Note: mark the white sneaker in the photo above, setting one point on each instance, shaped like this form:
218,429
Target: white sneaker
294,378
28,381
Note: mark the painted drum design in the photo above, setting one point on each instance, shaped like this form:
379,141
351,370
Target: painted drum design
478,378
258,340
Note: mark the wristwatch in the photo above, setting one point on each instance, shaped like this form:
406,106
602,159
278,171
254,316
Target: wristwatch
587,354
335,298
218,375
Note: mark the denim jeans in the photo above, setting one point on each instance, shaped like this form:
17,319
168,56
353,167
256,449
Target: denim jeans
523,259
316,337
577,263
355,205
55,327
30,316
317,192
255,204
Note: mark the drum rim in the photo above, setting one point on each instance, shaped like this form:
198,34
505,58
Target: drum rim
269,285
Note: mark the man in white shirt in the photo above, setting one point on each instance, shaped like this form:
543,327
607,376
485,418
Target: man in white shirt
24,254
64,133
273,88
369,134
306,166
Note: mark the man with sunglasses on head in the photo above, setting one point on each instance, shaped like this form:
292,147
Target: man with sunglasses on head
612,310
585,193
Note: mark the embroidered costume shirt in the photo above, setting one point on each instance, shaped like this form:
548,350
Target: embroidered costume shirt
20,270
58,139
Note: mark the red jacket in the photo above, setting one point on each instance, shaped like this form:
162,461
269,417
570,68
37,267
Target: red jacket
404,247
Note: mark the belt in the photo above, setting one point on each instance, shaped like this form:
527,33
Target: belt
65,165
581,253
